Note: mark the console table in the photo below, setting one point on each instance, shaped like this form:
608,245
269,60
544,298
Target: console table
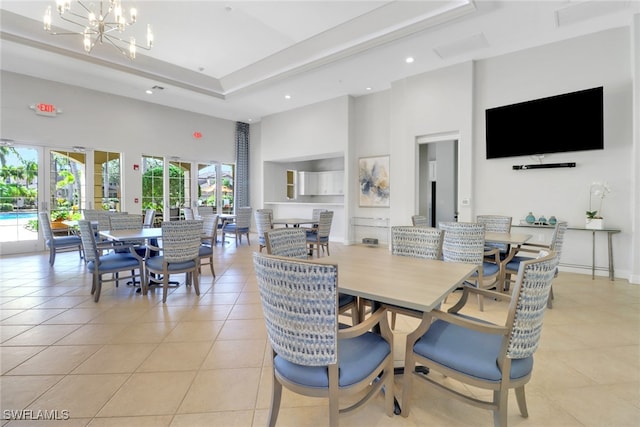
610,232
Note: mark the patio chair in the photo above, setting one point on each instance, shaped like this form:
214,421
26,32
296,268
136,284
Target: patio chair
419,221
497,224
240,226
320,239
263,224
524,253
111,263
312,354
208,241
474,352
179,254
417,242
57,243
464,242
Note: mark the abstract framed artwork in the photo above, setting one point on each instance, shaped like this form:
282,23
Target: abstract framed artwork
373,175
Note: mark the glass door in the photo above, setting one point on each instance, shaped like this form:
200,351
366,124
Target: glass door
19,197
67,187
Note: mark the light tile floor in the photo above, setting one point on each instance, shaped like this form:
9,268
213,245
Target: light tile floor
130,360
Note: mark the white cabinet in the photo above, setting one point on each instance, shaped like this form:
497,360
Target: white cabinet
307,183
327,183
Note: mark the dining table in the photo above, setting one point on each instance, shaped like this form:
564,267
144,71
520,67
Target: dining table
375,274
294,222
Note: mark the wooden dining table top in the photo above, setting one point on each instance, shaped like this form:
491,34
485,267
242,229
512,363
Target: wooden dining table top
509,238
374,273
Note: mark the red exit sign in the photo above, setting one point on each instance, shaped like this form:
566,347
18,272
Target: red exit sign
43,109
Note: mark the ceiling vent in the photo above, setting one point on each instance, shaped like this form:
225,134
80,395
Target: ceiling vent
465,45
586,10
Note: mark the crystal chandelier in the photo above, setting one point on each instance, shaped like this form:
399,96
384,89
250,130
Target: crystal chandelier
104,22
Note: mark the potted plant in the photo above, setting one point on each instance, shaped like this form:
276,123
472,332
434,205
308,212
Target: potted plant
594,220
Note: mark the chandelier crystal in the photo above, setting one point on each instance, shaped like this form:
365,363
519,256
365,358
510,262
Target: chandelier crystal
103,21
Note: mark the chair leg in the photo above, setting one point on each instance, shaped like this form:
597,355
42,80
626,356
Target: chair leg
196,284
500,413
165,286
480,302
522,401
97,278
550,298
276,397
52,256
213,273
248,240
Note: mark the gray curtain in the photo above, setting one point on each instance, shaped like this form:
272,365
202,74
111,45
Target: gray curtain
241,187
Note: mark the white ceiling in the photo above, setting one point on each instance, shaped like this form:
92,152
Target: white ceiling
237,60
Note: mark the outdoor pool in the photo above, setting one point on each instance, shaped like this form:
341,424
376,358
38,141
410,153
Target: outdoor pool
20,217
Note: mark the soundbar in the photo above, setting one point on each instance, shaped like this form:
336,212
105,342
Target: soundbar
544,166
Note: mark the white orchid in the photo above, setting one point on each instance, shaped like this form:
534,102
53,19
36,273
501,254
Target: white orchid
598,190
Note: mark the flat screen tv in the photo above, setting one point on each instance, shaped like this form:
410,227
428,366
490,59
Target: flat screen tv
568,122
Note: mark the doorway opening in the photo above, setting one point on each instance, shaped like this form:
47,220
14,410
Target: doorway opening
437,177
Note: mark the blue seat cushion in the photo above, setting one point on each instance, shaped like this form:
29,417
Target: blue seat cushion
471,352
234,228
514,264
114,262
65,241
205,251
155,263
344,299
313,238
358,357
488,269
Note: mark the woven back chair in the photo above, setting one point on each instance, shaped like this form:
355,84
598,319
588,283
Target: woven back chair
125,222
100,218
287,242
464,242
112,263
417,242
528,250
320,239
57,243
496,224
496,357
188,213
240,226
270,213
149,218
300,306
419,221
205,210
263,224
180,253
208,240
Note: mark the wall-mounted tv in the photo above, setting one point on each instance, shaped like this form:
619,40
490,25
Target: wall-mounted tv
568,122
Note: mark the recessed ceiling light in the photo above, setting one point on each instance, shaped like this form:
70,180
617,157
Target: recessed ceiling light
149,91
287,97
368,88
409,60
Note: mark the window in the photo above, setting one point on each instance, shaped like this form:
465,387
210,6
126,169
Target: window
207,186
179,184
152,183
67,184
106,181
228,173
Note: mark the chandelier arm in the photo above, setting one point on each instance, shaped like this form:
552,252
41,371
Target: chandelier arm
111,39
121,50
73,22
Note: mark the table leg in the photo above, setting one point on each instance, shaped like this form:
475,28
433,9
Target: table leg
593,255
609,242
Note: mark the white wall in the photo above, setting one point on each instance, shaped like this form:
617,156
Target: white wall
430,104
600,59
111,123
452,100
